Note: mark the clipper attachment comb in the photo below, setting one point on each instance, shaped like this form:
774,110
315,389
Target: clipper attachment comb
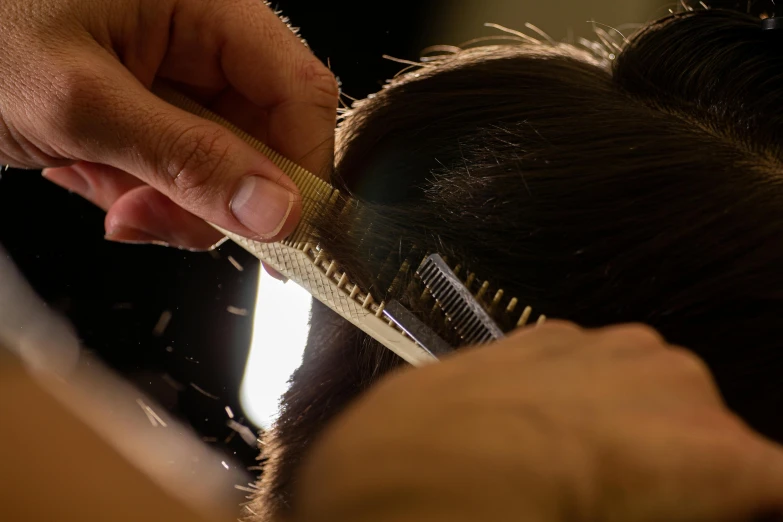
463,311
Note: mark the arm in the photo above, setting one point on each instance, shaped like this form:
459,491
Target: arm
549,425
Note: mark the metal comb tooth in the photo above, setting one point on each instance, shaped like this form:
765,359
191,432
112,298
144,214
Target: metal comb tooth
466,315
416,329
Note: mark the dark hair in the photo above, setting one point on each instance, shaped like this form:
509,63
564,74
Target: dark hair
639,184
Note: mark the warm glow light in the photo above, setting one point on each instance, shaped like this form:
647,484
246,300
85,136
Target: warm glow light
280,329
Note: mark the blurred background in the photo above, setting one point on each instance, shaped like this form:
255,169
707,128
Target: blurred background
179,325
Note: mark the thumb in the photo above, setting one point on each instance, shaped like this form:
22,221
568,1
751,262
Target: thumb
111,118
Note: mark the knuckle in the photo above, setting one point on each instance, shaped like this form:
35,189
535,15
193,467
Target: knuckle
194,159
638,335
73,91
72,107
320,81
226,10
688,362
16,149
555,326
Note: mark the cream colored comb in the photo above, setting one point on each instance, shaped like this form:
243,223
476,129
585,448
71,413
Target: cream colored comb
302,261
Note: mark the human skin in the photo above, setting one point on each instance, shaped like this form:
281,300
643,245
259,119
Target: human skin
75,79
550,425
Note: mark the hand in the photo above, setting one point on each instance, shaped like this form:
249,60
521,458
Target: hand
551,424
74,96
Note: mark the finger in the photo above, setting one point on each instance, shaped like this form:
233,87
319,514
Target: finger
138,217
268,65
627,339
552,337
636,334
110,118
100,184
144,215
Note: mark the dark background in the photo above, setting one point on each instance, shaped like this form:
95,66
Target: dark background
114,294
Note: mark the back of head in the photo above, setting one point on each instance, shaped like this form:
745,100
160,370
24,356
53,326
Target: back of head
638,184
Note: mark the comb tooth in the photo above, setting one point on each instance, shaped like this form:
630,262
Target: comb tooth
475,327
425,266
436,285
461,335
425,274
497,298
525,316
459,311
446,294
428,281
439,288
482,290
354,291
442,305
456,270
464,323
541,320
470,329
476,333
488,337
458,319
397,281
332,269
512,305
460,315
343,281
469,340
435,294
469,281
482,337
451,301
379,312
367,301
455,319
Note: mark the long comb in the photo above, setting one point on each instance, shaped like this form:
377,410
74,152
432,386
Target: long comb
303,261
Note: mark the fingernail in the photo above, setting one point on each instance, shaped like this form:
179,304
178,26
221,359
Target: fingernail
262,205
123,234
68,179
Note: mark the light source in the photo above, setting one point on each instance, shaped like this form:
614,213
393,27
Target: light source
280,327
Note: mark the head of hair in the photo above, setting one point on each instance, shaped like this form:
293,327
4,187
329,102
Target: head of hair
642,183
